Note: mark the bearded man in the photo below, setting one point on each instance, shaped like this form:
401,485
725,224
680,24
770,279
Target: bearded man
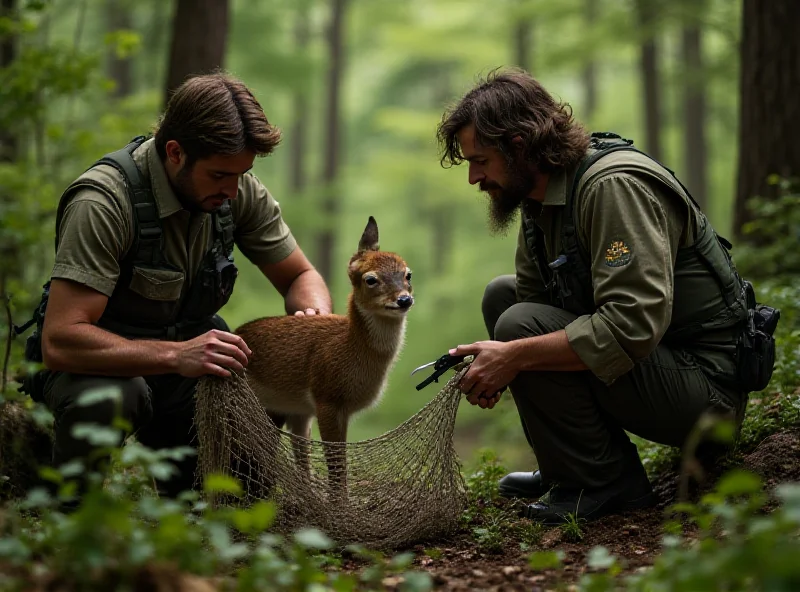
623,313
143,264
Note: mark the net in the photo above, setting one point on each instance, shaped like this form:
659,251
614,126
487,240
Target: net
397,489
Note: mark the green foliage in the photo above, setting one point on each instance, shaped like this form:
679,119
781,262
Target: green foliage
572,529
773,234
120,527
741,543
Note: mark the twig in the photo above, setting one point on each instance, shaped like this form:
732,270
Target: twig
10,335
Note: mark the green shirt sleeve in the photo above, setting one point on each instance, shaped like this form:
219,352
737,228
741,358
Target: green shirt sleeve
632,228
261,233
530,285
93,237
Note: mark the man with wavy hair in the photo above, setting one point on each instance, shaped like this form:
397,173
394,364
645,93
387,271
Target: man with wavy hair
144,261
623,311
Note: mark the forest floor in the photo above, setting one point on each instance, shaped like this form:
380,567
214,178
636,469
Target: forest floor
461,564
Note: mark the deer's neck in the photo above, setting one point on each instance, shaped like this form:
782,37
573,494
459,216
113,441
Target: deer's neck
382,333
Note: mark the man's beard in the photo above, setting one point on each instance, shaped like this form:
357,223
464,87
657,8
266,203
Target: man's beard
187,194
504,205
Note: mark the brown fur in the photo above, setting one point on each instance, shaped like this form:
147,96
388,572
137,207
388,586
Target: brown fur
332,366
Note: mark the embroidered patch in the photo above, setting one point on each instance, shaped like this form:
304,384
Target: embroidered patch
618,254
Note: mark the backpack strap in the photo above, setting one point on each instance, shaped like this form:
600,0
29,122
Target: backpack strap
605,143
148,243
223,227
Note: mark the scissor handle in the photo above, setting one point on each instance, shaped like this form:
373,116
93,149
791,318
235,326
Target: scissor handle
440,367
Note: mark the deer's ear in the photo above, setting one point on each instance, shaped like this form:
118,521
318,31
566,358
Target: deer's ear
369,240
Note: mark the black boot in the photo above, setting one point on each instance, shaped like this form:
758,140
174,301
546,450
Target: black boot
632,491
522,485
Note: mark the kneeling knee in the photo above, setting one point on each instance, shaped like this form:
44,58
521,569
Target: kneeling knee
521,320
129,400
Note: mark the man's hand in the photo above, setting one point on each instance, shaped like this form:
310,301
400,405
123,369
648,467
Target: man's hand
309,312
216,352
493,368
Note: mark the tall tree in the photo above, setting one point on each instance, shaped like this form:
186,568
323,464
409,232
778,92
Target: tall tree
302,36
647,13
694,112
330,204
769,112
199,40
523,32
120,70
8,52
590,67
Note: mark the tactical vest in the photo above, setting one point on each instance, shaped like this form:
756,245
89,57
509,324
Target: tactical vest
134,313
709,295
130,313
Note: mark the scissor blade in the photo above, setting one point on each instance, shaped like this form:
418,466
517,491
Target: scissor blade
428,365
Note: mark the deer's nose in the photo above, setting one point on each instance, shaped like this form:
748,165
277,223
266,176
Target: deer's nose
405,301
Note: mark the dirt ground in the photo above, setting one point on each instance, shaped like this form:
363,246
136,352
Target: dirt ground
635,536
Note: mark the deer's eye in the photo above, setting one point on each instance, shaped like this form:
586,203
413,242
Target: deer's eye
408,276
371,281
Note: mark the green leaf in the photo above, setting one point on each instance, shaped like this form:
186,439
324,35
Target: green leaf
72,469
545,560
262,514
50,474
218,483
600,558
312,538
724,431
14,550
739,482
416,581
97,435
98,395
402,560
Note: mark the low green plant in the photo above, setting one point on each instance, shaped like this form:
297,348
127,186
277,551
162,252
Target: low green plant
119,527
572,528
738,541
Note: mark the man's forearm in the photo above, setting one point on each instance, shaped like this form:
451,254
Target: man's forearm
545,352
308,290
87,349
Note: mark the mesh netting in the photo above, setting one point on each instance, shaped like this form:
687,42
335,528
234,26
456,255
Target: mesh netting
401,488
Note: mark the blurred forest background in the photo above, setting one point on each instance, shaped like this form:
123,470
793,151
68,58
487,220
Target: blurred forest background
357,87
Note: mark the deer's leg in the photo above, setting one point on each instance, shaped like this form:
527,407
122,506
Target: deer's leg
333,431
278,419
300,425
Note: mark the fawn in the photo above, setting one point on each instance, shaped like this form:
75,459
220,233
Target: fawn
332,366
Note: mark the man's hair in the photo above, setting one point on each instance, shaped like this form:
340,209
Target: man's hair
508,104
215,114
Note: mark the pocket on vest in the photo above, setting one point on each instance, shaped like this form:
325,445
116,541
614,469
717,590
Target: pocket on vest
157,284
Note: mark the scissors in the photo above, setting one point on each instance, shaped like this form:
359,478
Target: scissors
440,366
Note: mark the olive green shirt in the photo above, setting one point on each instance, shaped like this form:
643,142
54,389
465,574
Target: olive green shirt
97,229
632,227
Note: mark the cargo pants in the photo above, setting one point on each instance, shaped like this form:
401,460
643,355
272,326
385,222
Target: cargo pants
575,423
160,410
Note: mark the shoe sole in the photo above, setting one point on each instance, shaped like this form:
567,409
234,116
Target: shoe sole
647,500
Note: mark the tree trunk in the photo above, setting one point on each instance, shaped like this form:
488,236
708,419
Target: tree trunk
769,112
8,53
330,204
522,43
650,77
199,40
120,70
300,125
590,68
694,113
